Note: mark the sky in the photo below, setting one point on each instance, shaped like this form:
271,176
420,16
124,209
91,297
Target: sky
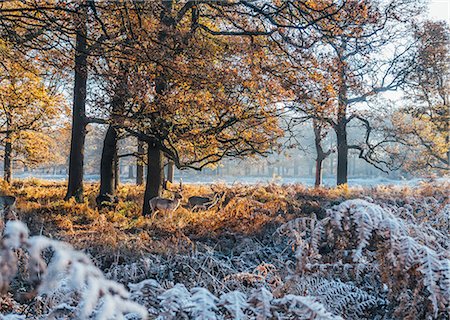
439,10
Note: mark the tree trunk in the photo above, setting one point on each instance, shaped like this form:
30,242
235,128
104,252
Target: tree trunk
353,170
296,168
155,176
107,163
76,159
331,166
7,171
139,164
341,123
155,166
170,171
342,155
130,172
447,140
318,181
321,154
116,169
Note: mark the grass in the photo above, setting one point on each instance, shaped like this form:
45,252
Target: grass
235,245
123,235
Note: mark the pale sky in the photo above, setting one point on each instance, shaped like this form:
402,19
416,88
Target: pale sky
439,10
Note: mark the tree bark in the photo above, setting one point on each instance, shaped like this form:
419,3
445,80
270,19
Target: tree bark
7,171
342,155
318,178
320,154
116,168
107,163
109,166
170,171
341,124
155,166
139,164
76,159
130,172
155,176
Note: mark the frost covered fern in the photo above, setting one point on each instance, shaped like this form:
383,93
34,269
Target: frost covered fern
68,281
362,236
383,256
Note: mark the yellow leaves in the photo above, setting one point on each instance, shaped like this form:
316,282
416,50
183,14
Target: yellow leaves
317,4
33,147
29,106
428,140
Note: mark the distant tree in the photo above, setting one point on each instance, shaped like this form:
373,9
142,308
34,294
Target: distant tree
30,107
422,127
320,133
349,57
306,74
367,55
60,134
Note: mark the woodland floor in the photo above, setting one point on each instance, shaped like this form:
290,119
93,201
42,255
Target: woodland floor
228,247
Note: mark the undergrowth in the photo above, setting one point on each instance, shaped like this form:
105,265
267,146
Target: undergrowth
262,252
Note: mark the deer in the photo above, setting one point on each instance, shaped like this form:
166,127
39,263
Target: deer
164,204
6,203
203,203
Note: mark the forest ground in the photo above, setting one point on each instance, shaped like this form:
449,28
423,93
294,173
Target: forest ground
236,245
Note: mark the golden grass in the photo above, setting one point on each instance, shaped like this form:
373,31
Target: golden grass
113,235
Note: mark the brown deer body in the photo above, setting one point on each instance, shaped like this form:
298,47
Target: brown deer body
203,203
166,205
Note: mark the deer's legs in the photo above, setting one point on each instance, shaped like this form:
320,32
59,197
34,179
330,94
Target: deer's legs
154,212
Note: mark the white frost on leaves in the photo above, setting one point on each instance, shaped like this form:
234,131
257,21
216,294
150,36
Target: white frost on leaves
71,271
15,234
409,243
174,300
203,304
306,308
69,280
261,303
235,302
12,316
199,303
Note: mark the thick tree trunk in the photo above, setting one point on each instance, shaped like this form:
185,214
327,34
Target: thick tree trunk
342,155
155,166
139,164
116,170
109,166
7,170
318,180
341,123
170,171
155,176
76,160
107,163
